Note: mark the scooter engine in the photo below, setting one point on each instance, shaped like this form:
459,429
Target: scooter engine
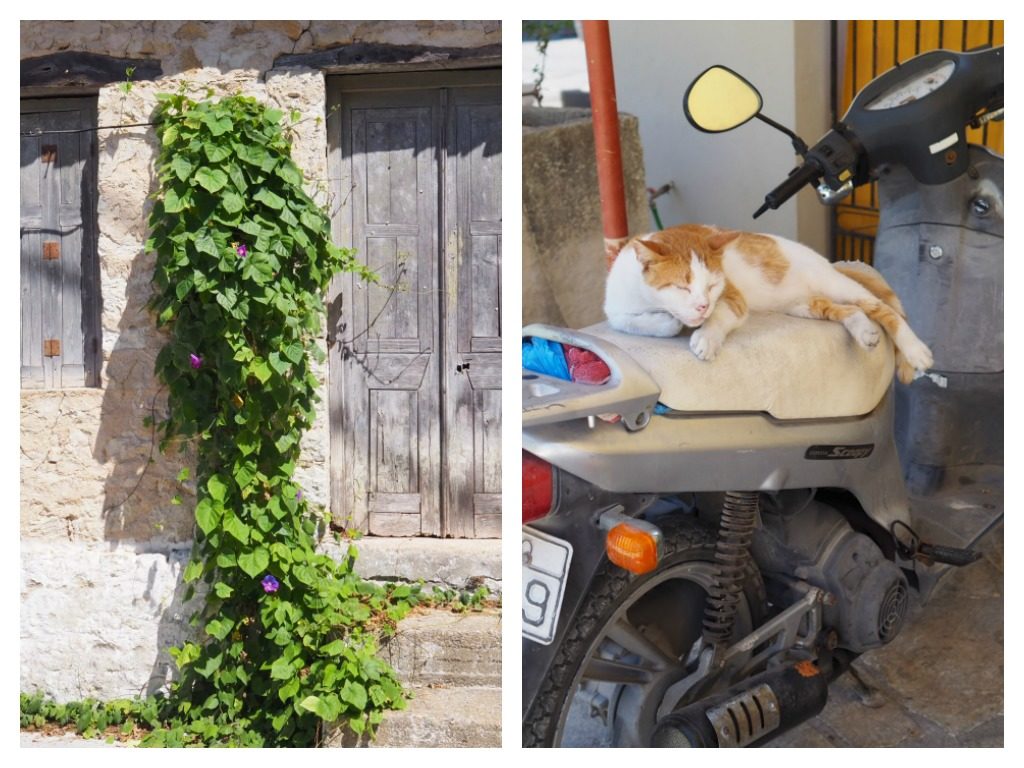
871,591
813,542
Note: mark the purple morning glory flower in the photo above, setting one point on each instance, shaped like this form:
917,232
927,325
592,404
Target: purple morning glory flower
242,251
195,361
270,584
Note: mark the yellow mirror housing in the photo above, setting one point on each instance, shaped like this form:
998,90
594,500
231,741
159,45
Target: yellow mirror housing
720,100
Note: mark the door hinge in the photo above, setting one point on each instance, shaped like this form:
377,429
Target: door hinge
51,250
51,348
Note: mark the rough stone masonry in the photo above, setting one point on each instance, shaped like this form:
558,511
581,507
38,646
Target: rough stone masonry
103,547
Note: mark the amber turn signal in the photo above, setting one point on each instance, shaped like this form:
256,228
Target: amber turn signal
631,548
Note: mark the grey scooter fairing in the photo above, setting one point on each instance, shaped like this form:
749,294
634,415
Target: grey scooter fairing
696,452
941,249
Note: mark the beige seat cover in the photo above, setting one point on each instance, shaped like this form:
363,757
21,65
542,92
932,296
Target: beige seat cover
789,367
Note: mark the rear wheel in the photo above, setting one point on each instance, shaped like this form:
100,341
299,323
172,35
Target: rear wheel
628,643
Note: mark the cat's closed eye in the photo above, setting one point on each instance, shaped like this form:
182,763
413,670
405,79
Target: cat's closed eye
681,287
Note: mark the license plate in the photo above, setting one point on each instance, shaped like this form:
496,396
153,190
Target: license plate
545,568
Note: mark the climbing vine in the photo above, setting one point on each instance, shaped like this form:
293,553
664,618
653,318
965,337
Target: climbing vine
287,637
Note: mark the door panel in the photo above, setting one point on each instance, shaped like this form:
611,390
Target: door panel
472,369
387,479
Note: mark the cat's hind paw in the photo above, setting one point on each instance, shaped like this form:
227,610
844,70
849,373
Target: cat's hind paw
705,343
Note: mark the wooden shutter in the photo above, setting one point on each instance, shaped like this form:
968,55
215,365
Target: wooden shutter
59,295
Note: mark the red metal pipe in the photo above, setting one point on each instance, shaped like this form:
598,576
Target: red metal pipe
598,44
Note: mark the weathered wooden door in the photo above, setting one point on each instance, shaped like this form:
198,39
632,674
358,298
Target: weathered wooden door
59,295
415,360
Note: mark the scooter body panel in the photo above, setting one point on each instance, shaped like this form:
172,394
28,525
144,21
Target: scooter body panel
682,453
941,248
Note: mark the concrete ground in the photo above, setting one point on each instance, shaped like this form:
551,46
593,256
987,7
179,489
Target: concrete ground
32,739
940,682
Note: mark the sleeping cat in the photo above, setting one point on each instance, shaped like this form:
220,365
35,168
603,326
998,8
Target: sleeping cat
708,279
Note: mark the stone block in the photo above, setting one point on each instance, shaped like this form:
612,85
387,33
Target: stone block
437,717
563,239
291,29
453,563
97,621
444,648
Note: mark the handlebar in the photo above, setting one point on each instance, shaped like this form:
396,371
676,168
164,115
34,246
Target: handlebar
908,116
807,172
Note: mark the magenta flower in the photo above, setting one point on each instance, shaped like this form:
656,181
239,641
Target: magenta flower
270,584
195,361
242,251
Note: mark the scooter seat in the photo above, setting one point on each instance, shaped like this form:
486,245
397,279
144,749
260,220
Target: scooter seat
789,367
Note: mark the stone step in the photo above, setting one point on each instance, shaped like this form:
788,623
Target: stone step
451,563
445,717
450,649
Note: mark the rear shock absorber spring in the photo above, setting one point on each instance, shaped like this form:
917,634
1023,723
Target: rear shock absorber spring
735,530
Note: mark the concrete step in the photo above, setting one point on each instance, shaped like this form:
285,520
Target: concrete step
445,717
450,649
451,563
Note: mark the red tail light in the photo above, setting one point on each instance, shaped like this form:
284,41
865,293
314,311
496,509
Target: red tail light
538,487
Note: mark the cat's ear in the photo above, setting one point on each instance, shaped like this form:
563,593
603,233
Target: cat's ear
719,240
649,251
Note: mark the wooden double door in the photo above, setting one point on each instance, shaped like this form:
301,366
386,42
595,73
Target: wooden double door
415,359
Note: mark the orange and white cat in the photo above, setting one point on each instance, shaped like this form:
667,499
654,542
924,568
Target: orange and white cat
709,279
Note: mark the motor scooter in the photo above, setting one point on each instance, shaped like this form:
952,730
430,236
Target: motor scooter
707,545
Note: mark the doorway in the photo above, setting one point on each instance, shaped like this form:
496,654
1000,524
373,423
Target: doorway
415,360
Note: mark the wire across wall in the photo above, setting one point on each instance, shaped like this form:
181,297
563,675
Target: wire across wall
872,47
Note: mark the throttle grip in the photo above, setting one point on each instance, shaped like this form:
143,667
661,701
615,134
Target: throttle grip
801,176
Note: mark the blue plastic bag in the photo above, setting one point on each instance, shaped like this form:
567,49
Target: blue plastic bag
545,356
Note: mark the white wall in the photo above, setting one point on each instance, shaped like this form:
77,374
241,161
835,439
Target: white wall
722,178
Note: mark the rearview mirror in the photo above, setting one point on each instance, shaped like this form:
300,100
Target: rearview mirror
720,100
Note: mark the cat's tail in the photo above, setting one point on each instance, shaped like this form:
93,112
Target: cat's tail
891,316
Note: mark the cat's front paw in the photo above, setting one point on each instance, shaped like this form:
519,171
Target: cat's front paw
705,343
865,331
918,355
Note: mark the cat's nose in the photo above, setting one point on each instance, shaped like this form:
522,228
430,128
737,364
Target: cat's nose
702,306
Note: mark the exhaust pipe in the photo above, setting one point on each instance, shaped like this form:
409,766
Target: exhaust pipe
761,708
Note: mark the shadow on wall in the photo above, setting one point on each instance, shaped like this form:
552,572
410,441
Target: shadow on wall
138,511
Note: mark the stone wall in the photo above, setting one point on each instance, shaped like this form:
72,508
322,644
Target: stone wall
91,477
251,46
